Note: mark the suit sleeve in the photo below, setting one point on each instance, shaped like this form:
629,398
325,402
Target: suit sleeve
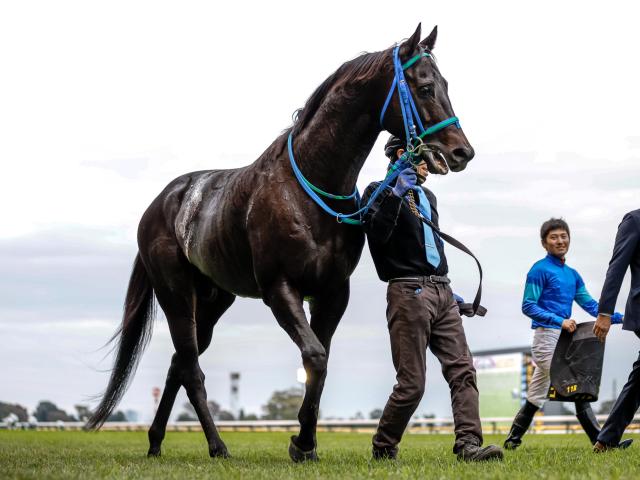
627,241
532,291
381,217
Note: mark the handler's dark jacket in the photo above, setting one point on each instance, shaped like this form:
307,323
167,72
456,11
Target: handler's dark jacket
626,255
396,237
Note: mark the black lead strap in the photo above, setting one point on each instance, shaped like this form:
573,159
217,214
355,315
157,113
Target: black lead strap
477,309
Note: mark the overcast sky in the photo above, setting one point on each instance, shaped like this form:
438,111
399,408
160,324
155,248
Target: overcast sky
102,104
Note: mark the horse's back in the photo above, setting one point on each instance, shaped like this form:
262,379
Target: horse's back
200,215
245,227
181,199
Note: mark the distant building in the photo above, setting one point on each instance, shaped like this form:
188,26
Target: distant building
234,394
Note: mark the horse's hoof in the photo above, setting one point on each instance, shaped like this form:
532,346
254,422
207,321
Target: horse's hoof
219,452
298,455
153,452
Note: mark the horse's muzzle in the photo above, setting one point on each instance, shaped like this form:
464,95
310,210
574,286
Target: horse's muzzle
459,157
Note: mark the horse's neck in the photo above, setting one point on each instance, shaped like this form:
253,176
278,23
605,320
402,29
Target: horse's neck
333,147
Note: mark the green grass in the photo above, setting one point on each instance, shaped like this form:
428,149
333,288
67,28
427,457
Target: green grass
264,455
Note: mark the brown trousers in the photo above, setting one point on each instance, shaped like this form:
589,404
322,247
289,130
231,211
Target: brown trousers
420,315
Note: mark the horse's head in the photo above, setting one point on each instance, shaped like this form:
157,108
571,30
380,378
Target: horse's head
445,146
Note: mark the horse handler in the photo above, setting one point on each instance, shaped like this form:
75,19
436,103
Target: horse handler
421,312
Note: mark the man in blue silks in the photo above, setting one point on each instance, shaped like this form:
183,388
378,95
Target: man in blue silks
422,311
550,290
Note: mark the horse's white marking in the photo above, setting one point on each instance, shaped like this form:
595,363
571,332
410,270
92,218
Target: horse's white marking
192,202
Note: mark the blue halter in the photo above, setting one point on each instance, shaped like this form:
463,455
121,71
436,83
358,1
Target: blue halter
409,112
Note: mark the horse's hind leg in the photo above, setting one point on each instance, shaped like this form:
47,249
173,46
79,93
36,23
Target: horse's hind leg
159,425
175,284
210,307
326,311
184,334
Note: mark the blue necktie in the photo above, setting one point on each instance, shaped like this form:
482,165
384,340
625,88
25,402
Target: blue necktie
433,256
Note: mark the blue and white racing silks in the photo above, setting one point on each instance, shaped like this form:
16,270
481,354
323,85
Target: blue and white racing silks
550,291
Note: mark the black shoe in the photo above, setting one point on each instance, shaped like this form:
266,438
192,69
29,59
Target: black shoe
623,445
390,453
474,453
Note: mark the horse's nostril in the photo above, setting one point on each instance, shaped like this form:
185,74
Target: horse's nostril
463,154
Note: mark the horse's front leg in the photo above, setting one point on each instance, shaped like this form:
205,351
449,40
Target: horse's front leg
286,304
326,311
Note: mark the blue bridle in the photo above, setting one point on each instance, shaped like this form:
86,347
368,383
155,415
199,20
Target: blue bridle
410,115
408,106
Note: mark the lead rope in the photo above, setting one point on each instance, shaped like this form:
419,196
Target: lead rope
417,211
412,204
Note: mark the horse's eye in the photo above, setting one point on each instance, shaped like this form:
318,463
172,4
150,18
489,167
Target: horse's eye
425,91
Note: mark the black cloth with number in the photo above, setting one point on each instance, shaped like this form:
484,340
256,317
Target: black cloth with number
576,367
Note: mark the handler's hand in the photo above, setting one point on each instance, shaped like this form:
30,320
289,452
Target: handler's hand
569,325
602,326
405,182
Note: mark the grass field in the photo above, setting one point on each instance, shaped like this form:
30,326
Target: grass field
264,455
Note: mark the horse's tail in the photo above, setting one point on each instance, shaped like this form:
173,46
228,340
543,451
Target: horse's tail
131,338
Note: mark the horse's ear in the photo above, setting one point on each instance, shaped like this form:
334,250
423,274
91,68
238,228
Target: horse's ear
410,45
430,42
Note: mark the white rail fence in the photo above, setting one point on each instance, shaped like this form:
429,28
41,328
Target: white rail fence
491,425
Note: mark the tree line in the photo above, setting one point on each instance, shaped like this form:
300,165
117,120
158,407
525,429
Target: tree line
47,411
282,405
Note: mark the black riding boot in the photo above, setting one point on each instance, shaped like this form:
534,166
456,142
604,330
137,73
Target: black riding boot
590,424
588,421
520,425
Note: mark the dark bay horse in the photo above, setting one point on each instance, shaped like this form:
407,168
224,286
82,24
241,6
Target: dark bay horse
252,231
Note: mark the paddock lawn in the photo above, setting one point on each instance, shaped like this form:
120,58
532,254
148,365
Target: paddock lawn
29,454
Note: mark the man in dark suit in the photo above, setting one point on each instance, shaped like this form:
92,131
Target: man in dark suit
626,253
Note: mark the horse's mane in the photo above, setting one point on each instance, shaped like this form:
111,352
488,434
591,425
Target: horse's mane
361,69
